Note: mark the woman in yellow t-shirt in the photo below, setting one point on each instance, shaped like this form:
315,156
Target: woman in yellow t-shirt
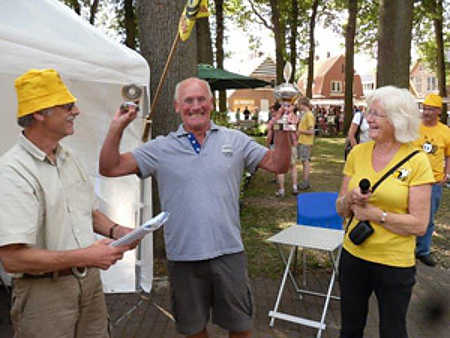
398,210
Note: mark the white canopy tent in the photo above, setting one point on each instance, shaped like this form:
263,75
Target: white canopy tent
47,34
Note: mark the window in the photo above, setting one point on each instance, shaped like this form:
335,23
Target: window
336,86
418,83
431,83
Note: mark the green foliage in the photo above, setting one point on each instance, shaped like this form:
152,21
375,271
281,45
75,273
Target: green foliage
424,34
220,118
366,25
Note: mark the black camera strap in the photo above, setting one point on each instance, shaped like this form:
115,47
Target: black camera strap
390,172
393,169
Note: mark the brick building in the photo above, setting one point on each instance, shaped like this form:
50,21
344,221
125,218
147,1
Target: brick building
329,80
260,98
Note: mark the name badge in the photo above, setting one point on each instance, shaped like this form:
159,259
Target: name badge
227,149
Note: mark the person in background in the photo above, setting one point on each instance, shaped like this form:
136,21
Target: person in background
397,210
273,109
434,140
48,218
305,133
291,111
246,113
358,131
238,115
199,169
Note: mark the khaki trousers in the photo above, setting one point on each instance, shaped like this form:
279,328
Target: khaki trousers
66,307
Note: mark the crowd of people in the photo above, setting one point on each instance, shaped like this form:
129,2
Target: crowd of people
50,213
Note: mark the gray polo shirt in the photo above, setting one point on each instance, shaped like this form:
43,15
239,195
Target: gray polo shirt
45,205
201,191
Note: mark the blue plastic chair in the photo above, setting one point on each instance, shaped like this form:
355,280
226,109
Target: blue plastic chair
318,209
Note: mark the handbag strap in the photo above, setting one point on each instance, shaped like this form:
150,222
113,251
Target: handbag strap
390,172
393,169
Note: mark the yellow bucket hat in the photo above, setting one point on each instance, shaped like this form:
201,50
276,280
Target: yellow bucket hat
433,100
38,89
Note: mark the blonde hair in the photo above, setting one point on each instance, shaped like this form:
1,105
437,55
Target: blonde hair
401,109
303,101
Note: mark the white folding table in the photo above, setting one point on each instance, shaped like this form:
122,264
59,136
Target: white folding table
308,237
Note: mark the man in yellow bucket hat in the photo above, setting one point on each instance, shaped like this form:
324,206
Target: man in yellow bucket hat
434,140
48,218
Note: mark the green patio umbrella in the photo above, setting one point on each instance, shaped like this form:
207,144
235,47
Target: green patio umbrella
220,79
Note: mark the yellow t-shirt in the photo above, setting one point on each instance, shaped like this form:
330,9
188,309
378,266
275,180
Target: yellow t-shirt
384,246
307,123
435,142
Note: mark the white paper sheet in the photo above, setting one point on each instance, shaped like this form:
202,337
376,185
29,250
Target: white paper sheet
151,225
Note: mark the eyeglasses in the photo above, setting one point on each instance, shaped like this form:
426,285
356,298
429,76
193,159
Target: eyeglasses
375,114
68,106
433,109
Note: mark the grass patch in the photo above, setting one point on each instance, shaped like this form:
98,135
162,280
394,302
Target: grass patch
264,215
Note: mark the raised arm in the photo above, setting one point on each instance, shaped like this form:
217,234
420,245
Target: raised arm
112,162
278,159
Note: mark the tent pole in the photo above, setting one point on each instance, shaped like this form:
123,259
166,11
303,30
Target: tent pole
158,89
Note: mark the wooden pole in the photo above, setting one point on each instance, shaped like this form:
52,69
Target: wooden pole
146,132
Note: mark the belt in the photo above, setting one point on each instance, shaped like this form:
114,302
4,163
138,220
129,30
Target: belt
77,272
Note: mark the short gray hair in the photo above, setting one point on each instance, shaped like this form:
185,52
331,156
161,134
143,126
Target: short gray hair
401,109
179,84
27,120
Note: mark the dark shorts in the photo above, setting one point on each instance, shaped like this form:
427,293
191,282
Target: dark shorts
219,286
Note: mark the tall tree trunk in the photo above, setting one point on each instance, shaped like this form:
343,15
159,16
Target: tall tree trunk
204,43
440,61
93,11
158,27
280,44
394,43
349,62
130,24
293,39
219,51
312,48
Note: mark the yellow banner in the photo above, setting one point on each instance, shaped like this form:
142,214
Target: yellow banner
195,9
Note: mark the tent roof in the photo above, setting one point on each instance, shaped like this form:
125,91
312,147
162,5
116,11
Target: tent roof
220,79
40,34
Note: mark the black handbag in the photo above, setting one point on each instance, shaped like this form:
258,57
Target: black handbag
364,229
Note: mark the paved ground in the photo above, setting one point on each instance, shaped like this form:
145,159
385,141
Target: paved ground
136,316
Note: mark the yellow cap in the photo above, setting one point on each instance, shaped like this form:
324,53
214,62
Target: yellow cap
433,100
39,89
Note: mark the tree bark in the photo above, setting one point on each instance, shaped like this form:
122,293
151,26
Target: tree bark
280,44
394,43
219,51
93,11
293,38
312,48
440,61
158,27
349,63
75,5
204,43
130,24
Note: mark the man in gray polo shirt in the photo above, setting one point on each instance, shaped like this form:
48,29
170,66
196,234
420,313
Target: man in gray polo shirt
198,169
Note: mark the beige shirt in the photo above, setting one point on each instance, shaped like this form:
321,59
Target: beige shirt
48,206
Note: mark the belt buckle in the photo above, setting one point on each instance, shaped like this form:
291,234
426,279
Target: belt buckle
80,274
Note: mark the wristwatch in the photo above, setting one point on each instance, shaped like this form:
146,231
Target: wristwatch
383,217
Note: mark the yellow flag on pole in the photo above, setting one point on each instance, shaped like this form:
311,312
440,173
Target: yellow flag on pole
194,9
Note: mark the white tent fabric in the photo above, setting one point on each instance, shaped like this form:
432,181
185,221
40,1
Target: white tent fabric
47,34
